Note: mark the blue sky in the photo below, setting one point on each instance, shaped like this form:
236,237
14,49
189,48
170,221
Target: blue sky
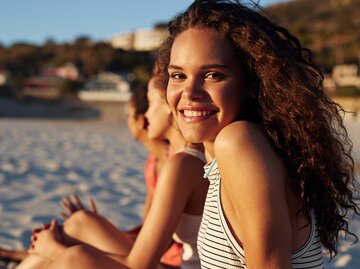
35,21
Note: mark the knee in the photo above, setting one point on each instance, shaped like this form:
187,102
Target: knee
77,221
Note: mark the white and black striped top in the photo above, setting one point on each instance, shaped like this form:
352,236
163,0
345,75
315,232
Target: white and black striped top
218,247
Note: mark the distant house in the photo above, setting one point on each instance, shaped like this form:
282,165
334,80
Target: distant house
123,41
346,75
106,86
140,40
66,71
43,87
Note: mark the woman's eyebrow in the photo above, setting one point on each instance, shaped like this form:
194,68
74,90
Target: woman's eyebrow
209,66
172,66
205,66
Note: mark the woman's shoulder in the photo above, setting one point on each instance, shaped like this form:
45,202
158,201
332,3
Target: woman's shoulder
183,162
245,147
239,134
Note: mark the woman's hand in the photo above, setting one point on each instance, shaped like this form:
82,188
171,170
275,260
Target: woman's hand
73,204
48,242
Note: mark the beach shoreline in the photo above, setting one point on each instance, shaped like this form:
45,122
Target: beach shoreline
75,109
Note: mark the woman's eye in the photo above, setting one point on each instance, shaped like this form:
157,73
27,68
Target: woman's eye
215,76
177,76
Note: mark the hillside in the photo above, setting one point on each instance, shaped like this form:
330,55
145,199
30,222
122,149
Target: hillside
331,28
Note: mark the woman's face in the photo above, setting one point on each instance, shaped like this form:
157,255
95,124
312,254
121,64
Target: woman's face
206,89
158,112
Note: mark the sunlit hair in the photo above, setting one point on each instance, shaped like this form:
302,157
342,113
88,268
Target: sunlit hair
304,125
139,100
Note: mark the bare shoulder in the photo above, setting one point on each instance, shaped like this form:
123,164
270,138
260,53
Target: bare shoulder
183,159
245,148
238,135
184,167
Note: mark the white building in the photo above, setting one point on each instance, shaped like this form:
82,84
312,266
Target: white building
123,41
140,40
68,71
108,87
346,75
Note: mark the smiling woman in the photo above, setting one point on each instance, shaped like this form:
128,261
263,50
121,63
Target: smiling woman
211,82
281,178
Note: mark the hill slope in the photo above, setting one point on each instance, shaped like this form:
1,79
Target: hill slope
331,28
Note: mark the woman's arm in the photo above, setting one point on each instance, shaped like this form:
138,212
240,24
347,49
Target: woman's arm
179,178
254,196
147,204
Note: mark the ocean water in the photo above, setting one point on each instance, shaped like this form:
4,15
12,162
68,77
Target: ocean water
43,160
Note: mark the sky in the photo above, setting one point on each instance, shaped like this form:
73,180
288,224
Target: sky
35,21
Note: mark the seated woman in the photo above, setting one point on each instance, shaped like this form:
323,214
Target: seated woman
175,212
158,152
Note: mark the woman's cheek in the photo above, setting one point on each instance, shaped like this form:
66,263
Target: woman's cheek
170,97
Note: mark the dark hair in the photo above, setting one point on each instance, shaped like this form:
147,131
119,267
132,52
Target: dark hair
139,100
304,125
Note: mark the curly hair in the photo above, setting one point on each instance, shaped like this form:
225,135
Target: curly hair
139,100
304,125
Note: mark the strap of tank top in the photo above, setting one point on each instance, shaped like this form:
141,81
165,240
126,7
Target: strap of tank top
194,152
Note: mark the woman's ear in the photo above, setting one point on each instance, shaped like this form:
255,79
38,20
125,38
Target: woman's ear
141,122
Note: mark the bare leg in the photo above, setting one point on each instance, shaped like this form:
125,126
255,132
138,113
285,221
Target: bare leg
33,261
91,229
88,258
85,258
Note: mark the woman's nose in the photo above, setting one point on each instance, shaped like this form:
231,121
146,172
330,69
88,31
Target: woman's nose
193,91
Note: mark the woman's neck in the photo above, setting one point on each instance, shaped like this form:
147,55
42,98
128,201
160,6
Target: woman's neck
209,149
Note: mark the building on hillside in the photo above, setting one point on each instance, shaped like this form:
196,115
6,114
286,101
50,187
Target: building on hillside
106,86
346,75
140,40
43,87
123,41
68,71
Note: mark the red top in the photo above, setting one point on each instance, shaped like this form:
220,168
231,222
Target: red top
173,255
150,173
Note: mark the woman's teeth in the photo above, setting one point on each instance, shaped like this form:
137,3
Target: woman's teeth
196,113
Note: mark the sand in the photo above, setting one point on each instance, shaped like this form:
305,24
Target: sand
43,159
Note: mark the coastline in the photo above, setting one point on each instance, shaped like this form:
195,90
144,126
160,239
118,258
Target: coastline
77,109
62,109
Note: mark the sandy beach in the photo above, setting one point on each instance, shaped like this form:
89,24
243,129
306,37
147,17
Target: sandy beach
43,159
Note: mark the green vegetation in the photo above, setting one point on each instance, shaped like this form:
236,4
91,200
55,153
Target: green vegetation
25,60
330,28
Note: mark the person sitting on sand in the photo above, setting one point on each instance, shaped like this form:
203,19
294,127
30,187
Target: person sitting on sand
175,212
158,152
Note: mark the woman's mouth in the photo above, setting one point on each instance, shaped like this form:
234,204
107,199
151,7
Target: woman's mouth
196,115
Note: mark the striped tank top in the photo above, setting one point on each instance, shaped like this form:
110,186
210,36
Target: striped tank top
217,245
